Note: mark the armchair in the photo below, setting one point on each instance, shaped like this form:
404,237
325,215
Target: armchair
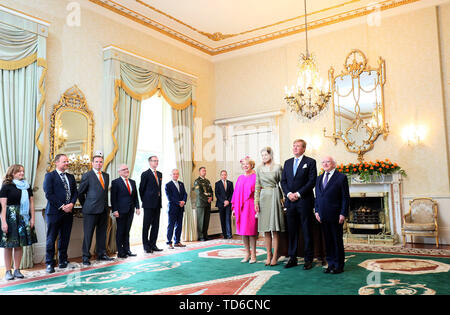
421,220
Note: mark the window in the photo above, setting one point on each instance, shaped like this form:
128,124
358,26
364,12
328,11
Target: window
155,138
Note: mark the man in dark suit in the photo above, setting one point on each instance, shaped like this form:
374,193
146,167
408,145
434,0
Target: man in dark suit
177,196
331,208
298,181
224,192
93,196
150,193
61,193
124,201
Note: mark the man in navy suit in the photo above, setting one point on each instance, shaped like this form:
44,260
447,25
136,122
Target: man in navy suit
93,196
124,201
61,193
177,196
150,193
224,192
298,181
331,208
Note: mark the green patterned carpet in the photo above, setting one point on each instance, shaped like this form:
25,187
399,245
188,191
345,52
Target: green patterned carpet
216,269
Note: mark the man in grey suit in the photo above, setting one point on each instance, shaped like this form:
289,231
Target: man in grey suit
93,196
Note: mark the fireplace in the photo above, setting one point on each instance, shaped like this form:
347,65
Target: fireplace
375,211
366,215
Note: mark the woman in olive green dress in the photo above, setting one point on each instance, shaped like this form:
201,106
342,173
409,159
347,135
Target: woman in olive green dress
268,204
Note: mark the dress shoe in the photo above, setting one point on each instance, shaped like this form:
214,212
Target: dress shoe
63,264
9,275
156,249
104,257
179,245
307,265
18,274
148,251
122,255
170,246
327,270
336,271
291,263
130,254
50,269
202,239
86,262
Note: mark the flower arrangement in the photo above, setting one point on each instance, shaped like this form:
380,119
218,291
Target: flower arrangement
366,170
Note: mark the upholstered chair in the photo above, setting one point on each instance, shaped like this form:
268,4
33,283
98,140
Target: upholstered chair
421,220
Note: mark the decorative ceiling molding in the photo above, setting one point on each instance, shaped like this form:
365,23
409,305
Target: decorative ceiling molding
268,33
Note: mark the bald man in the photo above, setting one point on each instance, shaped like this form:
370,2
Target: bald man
124,201
331,209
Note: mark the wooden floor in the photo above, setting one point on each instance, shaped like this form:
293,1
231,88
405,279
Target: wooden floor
137,248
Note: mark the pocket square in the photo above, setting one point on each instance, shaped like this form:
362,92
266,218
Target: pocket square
305,166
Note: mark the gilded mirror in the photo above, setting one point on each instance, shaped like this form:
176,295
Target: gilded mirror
72,131
358,103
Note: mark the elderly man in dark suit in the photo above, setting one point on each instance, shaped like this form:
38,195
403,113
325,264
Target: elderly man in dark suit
224,192
177,196
150,193
298,181
124,201
61,193
93,196
331,208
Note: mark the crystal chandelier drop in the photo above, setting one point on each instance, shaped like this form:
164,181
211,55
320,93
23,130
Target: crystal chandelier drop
310,95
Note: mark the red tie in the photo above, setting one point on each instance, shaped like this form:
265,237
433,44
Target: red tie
128,186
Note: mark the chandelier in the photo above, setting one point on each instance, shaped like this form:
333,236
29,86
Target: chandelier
308,97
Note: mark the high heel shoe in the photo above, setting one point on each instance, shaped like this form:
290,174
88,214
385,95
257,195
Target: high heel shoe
246,259
252,261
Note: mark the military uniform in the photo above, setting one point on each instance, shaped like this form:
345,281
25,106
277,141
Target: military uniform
203,191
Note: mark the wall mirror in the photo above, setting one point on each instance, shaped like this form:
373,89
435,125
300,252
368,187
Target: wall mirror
358,103
72,131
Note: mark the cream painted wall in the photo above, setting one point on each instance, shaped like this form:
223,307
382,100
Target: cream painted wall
409,43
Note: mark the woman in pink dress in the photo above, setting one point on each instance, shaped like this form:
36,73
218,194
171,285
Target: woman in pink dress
243,205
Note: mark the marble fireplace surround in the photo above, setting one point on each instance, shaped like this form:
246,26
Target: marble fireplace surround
387,186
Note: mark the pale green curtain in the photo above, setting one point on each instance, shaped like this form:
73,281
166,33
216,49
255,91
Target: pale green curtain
22,72
183,128
129,110
16,44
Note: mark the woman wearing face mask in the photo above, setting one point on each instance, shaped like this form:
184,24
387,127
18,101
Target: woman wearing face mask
243,206
17,218
268,203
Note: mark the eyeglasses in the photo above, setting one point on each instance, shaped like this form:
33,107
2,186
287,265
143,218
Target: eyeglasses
124,169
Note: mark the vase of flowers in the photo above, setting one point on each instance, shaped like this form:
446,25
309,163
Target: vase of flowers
370,172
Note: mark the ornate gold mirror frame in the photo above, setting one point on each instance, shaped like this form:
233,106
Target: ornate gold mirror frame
72,102
358,104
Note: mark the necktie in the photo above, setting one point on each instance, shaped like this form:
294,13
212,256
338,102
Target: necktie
66,187
225,185
295,165
156,177
325,181
128,185
100,177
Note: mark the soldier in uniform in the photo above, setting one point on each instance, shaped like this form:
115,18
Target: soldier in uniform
204,194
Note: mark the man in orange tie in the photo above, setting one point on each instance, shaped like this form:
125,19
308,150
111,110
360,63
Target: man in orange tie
150,193
93,196
124,201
